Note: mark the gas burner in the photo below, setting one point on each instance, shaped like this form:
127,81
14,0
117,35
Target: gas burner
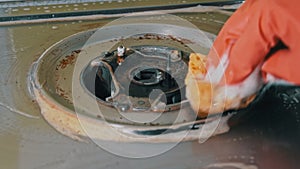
139,78
119,83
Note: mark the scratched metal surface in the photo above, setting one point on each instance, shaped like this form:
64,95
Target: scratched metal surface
267,135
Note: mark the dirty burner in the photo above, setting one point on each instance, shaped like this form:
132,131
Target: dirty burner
138,78
131,93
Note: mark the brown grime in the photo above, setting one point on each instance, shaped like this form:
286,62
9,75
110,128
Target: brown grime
68,60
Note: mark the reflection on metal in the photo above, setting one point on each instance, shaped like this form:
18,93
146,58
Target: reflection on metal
63,16
17,111
231,165
119,9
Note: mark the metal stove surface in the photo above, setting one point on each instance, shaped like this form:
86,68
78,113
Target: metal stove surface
267,134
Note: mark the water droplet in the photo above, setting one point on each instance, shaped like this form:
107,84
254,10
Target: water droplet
26,9
54,27
296,100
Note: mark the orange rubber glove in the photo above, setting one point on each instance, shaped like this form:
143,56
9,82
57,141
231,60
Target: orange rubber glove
255,28
241,48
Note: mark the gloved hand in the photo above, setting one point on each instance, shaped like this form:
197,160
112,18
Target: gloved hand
252,31
242,47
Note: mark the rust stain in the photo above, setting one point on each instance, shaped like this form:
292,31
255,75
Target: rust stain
68,60
62,93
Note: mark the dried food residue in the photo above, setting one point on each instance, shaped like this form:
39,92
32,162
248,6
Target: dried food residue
62,93
68,60
163,37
